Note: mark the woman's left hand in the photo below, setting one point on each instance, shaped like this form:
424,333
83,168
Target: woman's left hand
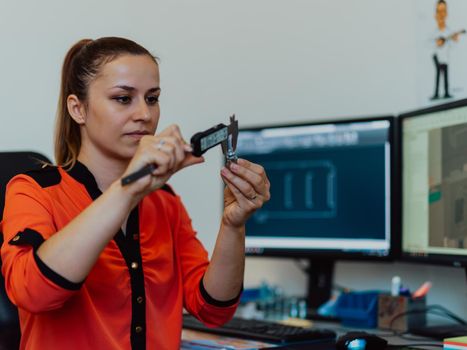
247,189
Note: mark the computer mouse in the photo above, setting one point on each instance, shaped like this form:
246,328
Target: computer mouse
360,341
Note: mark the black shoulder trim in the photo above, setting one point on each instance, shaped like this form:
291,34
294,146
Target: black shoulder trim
216,302
27,237
46,176
55,277
82,174
168,189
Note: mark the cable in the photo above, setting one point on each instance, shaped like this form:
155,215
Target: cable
423,344
449,313
430,309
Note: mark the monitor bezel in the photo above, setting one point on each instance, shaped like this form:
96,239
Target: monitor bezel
428,258
326,255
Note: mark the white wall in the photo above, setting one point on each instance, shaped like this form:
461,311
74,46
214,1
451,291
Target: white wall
267,61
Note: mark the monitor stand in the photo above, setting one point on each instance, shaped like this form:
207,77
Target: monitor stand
320,282
442,331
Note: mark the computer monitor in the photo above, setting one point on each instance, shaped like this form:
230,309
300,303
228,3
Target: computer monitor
331,194
434,184
434,193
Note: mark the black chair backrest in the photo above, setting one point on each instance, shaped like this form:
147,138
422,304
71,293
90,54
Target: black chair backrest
11,164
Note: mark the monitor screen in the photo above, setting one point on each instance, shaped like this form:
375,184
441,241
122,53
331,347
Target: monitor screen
330,188
434,184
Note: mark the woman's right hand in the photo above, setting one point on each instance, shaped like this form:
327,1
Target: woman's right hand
168,151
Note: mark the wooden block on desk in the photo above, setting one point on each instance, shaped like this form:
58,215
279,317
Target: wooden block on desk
400,313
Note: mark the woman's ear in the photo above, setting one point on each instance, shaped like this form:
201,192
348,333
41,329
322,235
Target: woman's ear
76,109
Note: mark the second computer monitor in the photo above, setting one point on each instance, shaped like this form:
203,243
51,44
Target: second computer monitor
331,188
434,184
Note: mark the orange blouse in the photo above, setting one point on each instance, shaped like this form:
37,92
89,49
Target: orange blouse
134,295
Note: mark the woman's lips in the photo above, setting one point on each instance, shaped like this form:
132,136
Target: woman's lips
137,134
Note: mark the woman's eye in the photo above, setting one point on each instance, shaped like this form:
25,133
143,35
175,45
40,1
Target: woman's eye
152,100
123,99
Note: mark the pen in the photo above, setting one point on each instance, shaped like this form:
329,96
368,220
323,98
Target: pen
423,290
148,169
395,286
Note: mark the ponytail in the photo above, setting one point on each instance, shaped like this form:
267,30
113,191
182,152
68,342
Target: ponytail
67,133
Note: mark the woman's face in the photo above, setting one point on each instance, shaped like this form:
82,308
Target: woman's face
122,107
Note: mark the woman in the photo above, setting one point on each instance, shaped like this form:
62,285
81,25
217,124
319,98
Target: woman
92,264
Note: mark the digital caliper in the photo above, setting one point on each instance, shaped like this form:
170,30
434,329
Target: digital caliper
226,135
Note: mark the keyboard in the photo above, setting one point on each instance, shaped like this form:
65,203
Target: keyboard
261,330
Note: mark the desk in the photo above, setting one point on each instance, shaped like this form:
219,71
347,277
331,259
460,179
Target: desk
195,340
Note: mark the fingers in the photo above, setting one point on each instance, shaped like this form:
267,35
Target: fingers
169,150
171,147
252,179
249,179
241,199
174,131
191,160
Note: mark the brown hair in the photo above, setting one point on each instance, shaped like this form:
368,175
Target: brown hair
82,64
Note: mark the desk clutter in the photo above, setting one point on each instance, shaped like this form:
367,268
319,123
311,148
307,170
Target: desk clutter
376,309
356,309
269,302
401,312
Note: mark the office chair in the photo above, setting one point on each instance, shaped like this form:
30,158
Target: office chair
11,164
